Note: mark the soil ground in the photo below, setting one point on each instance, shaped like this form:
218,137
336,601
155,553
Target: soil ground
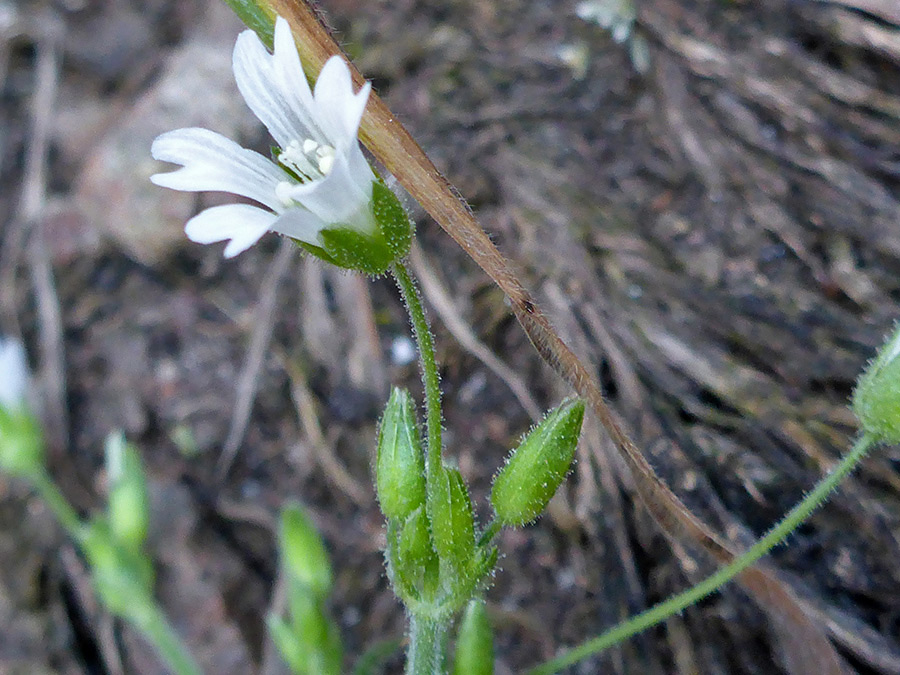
717,236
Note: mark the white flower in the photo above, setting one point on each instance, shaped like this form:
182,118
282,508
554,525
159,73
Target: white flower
320,178
13,375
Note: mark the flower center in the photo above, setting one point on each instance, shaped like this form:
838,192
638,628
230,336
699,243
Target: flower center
309,160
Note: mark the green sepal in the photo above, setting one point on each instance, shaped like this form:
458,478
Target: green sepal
128,503
415,539
876,399
368,252
353,250
303,551
399,462
21,443
414,550
392,219
534,470
474,654
450,514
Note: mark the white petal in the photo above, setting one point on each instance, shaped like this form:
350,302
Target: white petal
339,109
241,223
292,82
13,374
300,224
338,196
214,163
270,88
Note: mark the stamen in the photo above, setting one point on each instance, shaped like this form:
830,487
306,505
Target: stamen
309,160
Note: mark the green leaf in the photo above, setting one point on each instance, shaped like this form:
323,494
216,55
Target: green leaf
259,17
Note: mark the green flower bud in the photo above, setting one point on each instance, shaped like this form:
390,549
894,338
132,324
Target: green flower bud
474,642
303,551
372,248
536,468
876,400
310,641
129,504
450,514
21,440
287,644
123,577
21,443
400,463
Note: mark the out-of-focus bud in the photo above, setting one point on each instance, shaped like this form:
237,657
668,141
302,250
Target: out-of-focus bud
400,463
474,642
309,641
316,632
303,551
129,504
21,439
538,466
450,515
123,578
876,400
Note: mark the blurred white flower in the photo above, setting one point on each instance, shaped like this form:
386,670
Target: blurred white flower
13,374
319,177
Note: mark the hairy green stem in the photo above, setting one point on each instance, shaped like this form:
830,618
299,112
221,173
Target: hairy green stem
427,645
677,603
427,361
61,508
157,630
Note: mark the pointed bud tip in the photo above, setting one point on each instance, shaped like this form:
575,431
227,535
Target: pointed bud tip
876,399
303,551
535,470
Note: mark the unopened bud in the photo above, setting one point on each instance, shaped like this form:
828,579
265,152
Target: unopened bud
400,463
129,509
21,439
876,400
309,641
474,642
538,466
123,578
303,551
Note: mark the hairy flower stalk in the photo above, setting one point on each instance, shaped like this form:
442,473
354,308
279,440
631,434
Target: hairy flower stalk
319,189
